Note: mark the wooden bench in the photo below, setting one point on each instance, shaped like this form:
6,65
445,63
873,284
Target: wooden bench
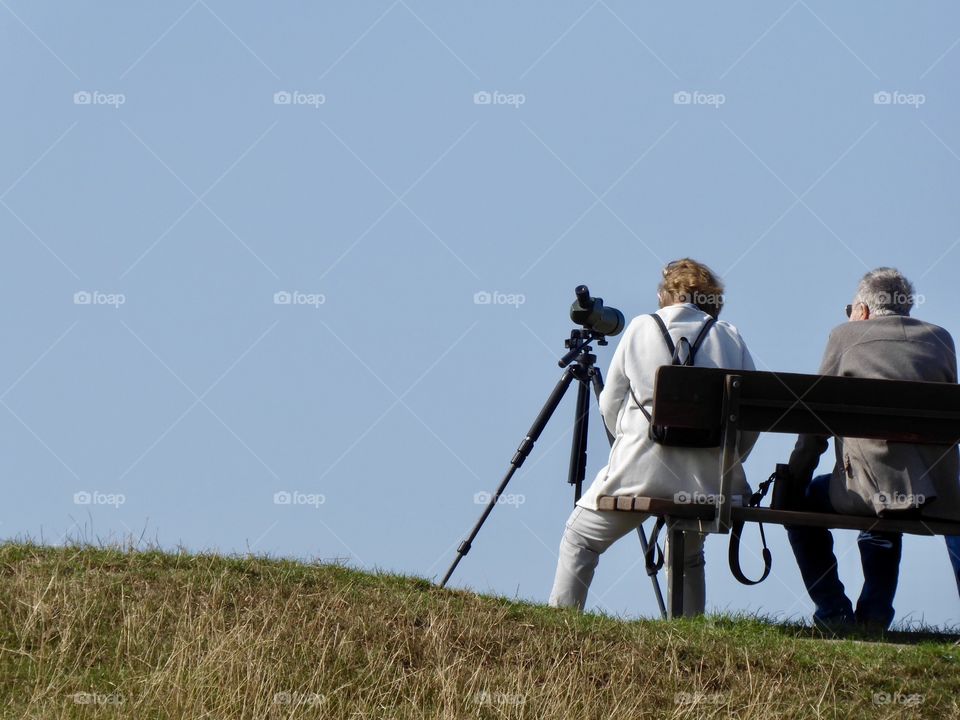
738,401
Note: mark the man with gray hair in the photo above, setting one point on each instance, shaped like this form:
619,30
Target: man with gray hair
874,477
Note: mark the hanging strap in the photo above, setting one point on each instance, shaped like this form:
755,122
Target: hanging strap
650,557
736,529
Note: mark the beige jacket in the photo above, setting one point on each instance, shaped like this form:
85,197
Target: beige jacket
871,476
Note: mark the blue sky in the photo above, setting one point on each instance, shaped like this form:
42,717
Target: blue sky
244,246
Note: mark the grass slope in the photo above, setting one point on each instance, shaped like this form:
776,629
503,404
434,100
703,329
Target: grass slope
105,633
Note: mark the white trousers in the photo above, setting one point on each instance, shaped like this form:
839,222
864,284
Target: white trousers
589,533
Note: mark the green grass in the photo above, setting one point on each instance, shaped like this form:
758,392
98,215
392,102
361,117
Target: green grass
157,635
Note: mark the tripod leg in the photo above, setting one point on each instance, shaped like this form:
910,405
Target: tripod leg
597,380
578,450
523,451
653,574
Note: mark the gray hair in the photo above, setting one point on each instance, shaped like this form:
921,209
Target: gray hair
885,291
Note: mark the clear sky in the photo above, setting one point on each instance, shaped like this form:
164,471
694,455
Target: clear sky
169,170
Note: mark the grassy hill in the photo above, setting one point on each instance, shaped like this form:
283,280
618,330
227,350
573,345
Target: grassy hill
100,633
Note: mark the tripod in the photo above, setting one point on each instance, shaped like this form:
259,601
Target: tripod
580,365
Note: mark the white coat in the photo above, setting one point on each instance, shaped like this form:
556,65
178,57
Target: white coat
637,465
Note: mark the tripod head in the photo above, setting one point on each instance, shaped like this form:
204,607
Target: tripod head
579,347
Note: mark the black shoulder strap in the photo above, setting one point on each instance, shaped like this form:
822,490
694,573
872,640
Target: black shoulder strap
670,347
647,415
701,337
666,333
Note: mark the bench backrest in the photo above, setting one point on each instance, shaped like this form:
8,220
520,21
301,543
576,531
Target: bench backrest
895,410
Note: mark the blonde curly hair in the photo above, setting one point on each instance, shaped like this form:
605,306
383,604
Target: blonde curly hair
688,281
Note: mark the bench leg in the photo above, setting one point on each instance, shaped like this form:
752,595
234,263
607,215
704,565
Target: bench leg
675,589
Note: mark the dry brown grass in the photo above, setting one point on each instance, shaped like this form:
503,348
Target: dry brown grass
153,635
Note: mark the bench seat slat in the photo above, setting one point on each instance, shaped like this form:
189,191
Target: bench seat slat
654,506
663,506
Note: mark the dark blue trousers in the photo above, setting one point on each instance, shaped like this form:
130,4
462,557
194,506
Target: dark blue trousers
953,549
879,557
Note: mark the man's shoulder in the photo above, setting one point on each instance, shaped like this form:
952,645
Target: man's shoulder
847,334
890,328
921,330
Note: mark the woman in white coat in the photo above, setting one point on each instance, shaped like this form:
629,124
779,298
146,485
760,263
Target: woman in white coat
690,295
